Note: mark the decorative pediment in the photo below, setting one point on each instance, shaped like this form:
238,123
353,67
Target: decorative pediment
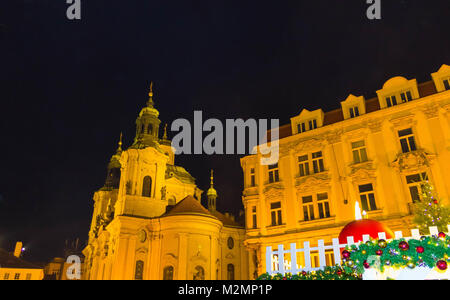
273,191
430,110
253,191
313,182
362,171
303,145
413,161
404,121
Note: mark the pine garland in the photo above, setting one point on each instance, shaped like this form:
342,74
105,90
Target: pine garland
329,273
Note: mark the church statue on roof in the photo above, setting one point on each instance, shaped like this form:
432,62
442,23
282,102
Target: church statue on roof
148,221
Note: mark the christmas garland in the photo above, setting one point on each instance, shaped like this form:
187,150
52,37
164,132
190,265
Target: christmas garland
429,251
329,273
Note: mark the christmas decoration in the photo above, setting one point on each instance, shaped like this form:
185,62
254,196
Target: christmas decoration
430,252
429,212
329,273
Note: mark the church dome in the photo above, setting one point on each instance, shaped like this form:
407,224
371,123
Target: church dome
211,192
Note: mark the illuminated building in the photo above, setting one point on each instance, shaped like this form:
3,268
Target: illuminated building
12,267
148,221
375,151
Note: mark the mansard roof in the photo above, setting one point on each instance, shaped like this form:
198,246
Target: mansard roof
334,116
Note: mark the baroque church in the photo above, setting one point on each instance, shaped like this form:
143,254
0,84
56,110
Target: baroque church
148,221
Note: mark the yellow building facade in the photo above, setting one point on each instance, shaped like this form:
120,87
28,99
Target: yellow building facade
374,151
148,221
13,267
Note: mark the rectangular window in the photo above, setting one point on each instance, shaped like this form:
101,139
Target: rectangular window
317,161
17,276
359,152
407,141
308,208
255,224
312,124
391,101
303,165
323,205
275,212
447,84
273,173
354,112
6,276
301,127
329,258
406,96
252,177
367,196
28,276
415,183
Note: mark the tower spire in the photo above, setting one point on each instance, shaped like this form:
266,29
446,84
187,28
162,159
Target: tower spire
150,102
212,194
119,148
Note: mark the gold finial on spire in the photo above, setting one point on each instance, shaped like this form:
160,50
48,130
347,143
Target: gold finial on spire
150,102
120,143
165,132
151,89
212,178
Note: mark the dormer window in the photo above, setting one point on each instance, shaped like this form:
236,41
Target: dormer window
397,90
354,112
442,78
353,107
307,120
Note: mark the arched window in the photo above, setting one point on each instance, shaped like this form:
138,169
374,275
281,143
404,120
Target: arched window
230,272
143,128
147,187
150,129
172,200
168,273
139,272
199,273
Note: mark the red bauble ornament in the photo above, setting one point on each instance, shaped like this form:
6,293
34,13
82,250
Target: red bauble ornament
345,254
304,273
420,249
366,264
379,252
403,245
441,235
441,265
359,228
339,272
435,201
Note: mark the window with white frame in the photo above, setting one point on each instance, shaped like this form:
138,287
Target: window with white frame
273,173
317,161
359,152
252,177
367,196
308,208
415,184
407,141
354,112
406,96
303,165
254,218
391,101
275,213
323,205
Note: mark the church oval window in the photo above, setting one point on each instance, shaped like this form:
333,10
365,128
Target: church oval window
230,243
147,186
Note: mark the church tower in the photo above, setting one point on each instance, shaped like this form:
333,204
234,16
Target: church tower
147,125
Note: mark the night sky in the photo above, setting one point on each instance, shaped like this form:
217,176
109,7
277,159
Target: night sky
68,88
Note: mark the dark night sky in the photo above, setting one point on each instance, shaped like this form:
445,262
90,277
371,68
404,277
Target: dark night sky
68,88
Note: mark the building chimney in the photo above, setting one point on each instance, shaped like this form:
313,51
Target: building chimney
18,249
